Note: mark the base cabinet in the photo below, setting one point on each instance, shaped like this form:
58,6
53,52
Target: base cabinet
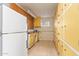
32,39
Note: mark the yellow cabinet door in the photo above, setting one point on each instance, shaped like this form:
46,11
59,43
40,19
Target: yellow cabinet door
56,43
59,9
37,22
71,22
60,29
37,36
60,48
59,35
30,40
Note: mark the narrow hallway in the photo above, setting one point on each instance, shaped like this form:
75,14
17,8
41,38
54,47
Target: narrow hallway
43,48
39,29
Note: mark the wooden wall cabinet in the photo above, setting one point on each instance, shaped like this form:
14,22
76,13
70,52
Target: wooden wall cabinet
37,22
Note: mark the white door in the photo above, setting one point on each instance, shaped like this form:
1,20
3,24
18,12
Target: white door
14,44
13,21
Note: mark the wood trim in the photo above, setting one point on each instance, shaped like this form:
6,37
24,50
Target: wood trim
19,10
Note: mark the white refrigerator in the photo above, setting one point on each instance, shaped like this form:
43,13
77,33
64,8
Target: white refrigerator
0,30
14,33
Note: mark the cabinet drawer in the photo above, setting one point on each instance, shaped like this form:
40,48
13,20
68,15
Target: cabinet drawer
37,22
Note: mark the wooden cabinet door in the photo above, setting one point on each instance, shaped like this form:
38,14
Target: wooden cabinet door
37,22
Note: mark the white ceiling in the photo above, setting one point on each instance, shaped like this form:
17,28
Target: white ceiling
40,9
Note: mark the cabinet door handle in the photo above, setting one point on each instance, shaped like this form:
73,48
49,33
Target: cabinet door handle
61,45
58,40
65,4
58,15
65,26
58,22
64,49
58,33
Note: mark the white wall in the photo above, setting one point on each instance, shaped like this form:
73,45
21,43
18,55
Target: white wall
46,30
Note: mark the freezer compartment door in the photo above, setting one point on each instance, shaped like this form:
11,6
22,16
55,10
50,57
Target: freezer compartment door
13,21
0,46
14,44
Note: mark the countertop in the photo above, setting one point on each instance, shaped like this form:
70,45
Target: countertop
32,31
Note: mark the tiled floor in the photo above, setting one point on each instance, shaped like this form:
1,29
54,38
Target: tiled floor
43,48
